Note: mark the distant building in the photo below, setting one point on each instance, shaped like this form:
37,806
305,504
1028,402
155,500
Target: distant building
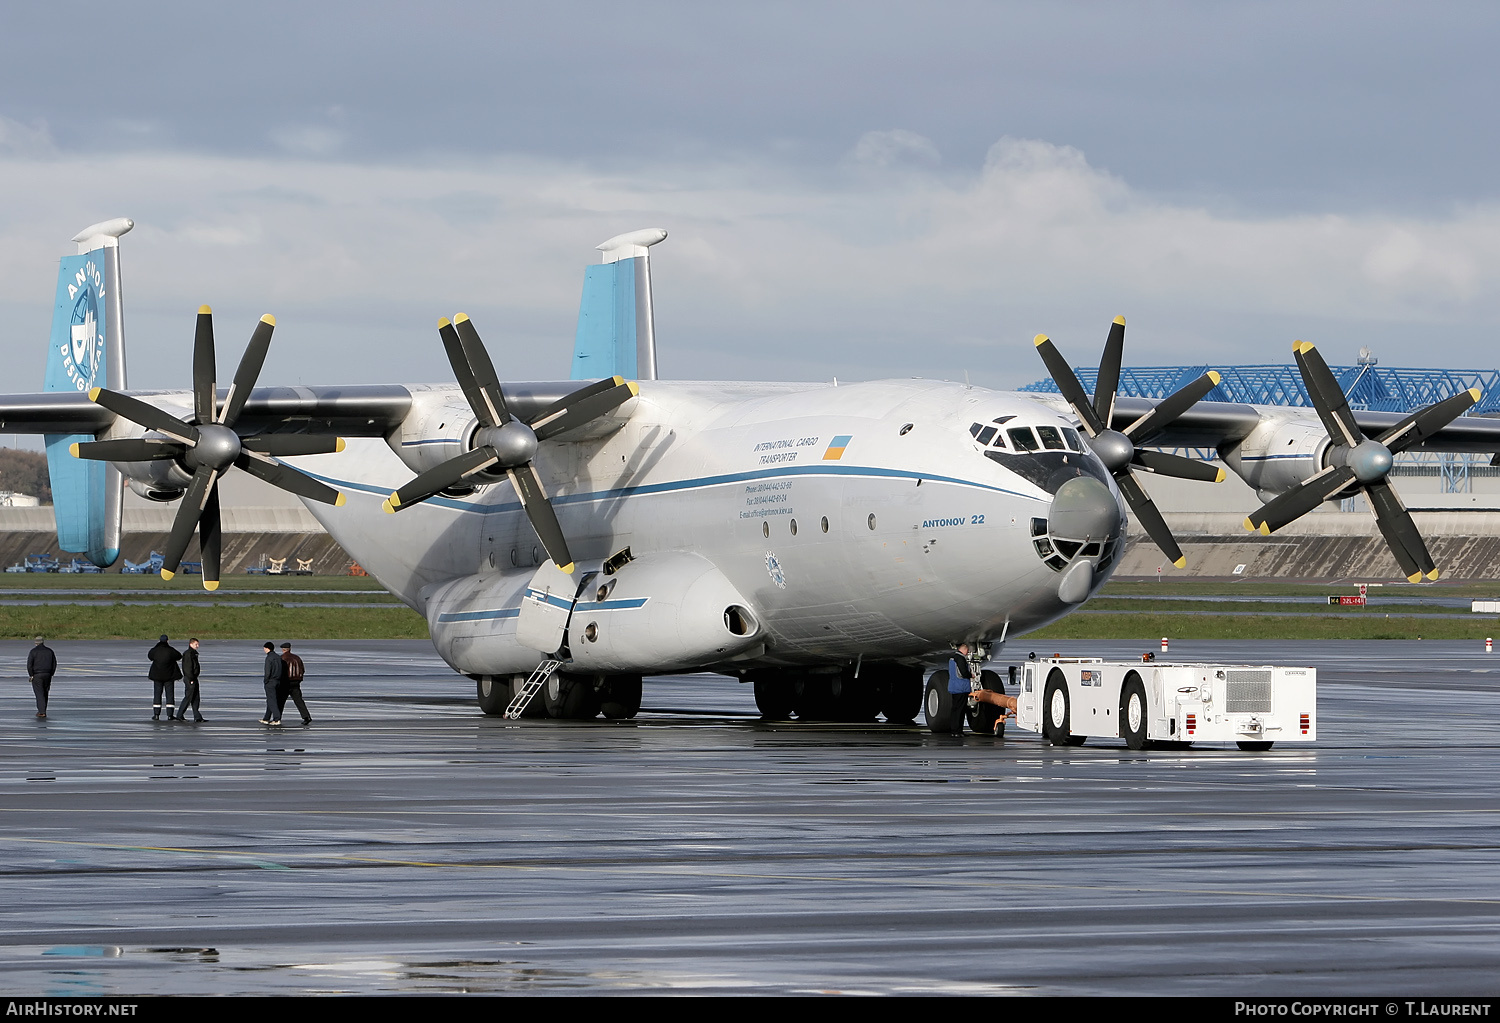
13,499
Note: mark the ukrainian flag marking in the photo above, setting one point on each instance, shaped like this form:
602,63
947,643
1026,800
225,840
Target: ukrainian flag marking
836,448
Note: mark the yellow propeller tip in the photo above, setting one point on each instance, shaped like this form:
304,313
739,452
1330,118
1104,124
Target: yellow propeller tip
1221,477
94,393
635,388
1120,320
443,322
1180,563
1474,393
1213,375
1040,340
210,585
73,450
1433,575
167,575
460,318
1414,578
1265,529
340,501
338,445
619,380
204,310
568,568
268,320
390,509
1250,525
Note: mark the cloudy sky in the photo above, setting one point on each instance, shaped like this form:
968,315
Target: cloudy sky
851,189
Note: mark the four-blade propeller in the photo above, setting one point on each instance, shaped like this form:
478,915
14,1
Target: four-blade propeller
1354,460
207,446
503,443
1121,450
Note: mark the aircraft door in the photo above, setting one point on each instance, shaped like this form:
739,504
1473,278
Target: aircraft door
545,609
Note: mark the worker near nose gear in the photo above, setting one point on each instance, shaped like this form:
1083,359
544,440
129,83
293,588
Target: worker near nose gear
960,682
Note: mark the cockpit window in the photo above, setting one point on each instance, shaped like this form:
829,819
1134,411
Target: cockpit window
985,434
975,428
999,440
1022,440
1051,438
1074,441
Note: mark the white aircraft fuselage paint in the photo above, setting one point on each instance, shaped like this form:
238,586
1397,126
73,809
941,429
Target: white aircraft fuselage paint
927,541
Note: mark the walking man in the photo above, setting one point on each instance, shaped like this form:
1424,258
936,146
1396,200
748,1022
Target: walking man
164,672
292,684
190,683
275,671
41,664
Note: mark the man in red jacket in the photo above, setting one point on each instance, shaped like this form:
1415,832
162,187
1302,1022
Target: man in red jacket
291,684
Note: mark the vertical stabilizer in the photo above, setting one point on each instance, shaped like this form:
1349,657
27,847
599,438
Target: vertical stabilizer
616,335
87,350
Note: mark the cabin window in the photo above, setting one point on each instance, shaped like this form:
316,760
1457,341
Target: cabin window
1022,439
871,520
825,523
794,527
765,529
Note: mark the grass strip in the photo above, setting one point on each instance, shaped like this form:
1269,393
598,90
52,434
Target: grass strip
260,621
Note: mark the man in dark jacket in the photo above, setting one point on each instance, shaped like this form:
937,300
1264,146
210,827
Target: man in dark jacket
291,684
164,672
275,671
41,665
190,683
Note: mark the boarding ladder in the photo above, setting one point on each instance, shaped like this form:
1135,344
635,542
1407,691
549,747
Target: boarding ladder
522,700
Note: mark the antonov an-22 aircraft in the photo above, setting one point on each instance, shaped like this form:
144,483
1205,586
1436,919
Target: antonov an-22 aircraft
826,542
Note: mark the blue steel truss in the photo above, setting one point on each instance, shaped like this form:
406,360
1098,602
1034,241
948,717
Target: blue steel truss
1378,388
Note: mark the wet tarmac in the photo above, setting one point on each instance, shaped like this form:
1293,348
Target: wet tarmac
404,843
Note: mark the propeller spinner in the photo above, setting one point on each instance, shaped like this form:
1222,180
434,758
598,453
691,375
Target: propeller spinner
207,446
1354,460
1122,451
504,443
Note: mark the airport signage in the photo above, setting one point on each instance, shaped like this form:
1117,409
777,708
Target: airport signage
1358,601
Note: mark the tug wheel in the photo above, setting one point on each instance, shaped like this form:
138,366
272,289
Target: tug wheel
1057,713
1133,713
1254,747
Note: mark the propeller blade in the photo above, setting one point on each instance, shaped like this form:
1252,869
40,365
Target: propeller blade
1164,464
543,519
1150,518
186,520
205,373
441,477
1169,408
250,365
1423,423
462,372
1326,394
579,408
1108,383
291,480
478,361
144,449
285,445
142,414
1067,383
211,540
1400,532
1300,500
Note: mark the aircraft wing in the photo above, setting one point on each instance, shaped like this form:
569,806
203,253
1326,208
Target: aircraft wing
358,410
1212,424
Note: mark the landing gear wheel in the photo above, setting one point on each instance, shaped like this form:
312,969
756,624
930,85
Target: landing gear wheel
901,696
1057,714
621,698
986,718
1254,747
937,707
494,694
774,695
570,698
1133,713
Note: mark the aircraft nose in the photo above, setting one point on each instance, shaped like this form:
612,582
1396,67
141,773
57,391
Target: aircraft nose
1084,509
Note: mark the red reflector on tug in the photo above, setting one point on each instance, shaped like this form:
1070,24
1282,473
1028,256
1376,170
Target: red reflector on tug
1192,723
1306,722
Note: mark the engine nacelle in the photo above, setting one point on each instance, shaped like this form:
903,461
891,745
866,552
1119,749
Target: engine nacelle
151,491
1278,454
661,611
439,426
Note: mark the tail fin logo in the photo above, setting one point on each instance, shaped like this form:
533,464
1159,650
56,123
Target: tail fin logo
84,350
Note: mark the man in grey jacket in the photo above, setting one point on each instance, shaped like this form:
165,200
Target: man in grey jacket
275,671
41,665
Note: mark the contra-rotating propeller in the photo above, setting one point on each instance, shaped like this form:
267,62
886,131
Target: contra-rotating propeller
1354,460
208,445
1121,451
504,442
